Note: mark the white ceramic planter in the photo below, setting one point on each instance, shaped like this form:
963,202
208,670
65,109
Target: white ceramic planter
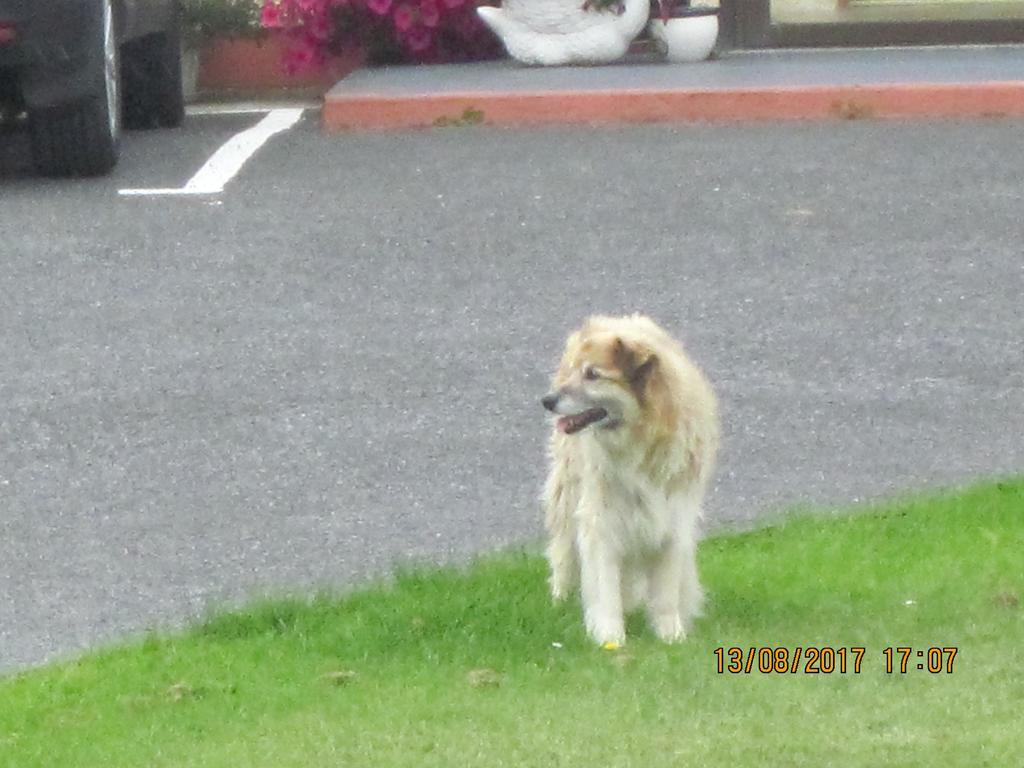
556,32
687,38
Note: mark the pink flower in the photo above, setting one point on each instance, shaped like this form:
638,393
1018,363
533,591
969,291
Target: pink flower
419,39
400,30
270,16
430,14
403,17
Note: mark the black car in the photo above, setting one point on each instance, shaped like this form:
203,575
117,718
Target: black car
75,67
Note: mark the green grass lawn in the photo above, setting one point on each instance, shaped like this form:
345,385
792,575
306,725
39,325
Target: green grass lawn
474,667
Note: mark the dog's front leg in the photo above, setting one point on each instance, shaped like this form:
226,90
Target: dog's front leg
666,576
675,593
561,554
600,585
561,498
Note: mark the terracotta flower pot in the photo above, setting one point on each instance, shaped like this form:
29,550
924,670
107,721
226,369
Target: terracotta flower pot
255,64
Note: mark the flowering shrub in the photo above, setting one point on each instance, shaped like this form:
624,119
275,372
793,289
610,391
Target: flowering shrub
205,19
387,30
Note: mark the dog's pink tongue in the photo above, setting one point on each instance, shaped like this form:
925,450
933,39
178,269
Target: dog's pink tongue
563,424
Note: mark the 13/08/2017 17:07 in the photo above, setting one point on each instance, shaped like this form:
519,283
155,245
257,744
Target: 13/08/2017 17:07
814,660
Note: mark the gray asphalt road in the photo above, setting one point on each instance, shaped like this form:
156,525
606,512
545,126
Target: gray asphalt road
336,366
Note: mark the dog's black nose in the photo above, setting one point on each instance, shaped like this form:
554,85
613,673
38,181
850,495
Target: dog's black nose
549,401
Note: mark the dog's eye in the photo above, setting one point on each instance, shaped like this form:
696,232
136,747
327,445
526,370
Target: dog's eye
590,373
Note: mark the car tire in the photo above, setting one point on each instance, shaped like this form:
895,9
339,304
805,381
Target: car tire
83,138
153,93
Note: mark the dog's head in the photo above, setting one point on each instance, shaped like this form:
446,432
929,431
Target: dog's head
605,380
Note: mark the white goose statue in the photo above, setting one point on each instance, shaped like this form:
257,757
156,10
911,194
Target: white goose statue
554,32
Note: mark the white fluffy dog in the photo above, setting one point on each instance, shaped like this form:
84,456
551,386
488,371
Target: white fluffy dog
633,448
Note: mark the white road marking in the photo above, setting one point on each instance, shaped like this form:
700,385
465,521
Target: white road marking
229,159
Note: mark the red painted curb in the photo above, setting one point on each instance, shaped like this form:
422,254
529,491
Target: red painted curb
911,100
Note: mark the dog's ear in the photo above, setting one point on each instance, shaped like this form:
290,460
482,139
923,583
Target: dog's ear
636,365
643,372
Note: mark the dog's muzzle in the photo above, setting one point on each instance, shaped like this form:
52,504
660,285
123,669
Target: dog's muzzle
574,422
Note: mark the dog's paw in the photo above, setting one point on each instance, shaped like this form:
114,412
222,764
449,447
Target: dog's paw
669,628
606,632
559,593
